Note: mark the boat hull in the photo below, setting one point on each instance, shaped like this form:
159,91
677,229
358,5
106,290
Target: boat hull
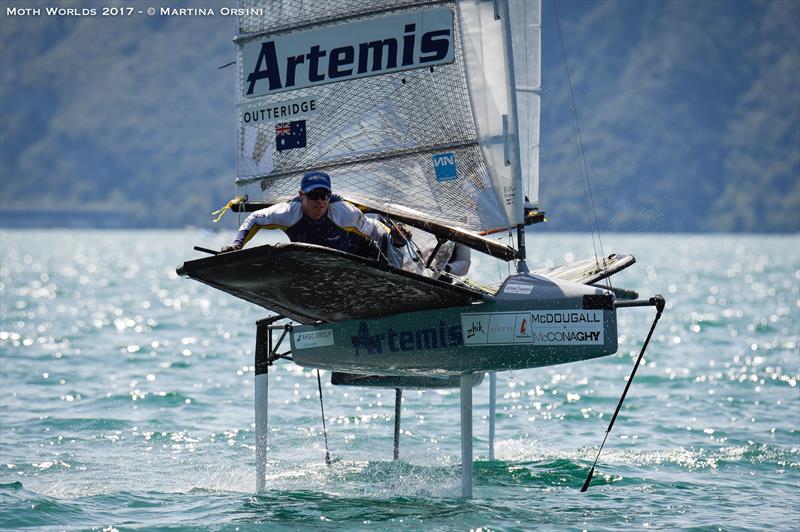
571,323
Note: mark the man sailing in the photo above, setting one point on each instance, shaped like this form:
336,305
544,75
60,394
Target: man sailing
317,216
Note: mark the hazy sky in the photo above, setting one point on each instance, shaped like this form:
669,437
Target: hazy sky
690,113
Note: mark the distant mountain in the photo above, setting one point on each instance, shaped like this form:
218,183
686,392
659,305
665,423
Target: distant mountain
126,117
689,112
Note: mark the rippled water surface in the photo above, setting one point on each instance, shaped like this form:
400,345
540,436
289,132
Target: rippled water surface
126,401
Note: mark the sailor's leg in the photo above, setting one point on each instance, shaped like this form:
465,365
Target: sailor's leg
466,435
263,338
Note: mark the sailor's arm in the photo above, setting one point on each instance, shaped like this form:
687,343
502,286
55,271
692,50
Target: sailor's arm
348,217
274,217
352,219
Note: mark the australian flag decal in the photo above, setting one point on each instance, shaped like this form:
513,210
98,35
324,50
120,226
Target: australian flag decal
290,135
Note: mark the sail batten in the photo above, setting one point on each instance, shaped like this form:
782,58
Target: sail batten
399,100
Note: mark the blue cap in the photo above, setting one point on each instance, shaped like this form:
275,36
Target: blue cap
314,180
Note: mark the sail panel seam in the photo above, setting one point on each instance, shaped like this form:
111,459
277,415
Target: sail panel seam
341,164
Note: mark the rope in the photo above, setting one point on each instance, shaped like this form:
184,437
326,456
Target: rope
221,212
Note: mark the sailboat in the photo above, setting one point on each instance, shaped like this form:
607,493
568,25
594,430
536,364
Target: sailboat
424,113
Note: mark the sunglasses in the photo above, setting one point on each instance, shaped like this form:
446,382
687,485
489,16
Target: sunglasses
318,195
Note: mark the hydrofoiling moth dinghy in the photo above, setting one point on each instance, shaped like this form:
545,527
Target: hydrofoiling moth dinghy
425,113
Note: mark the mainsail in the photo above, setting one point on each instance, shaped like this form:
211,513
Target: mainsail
526,35
412,106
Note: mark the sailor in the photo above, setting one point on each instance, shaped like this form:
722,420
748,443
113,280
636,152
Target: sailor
317,216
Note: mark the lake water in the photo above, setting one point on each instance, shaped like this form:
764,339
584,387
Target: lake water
126,401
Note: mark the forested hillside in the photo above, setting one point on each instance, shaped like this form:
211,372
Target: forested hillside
690,117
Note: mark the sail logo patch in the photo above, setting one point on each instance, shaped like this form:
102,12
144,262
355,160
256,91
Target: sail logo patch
444,164
290,135
363,48
306,339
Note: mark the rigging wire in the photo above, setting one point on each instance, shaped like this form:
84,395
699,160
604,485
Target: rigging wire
500,268
585,167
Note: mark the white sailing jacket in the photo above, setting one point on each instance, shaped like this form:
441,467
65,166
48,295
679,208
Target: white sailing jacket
343,226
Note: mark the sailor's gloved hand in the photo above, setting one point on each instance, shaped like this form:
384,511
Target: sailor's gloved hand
232,247
400,234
